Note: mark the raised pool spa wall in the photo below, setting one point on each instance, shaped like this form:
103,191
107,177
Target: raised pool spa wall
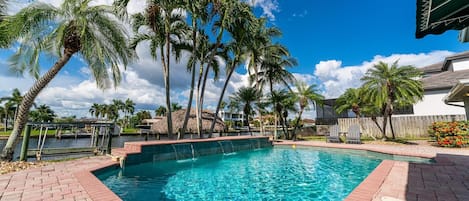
141,152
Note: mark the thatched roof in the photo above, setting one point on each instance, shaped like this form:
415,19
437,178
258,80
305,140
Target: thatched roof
178,120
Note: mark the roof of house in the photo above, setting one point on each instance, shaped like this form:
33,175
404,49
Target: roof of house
444,80
461,55
433,68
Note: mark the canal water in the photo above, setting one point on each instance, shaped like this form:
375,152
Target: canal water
117,141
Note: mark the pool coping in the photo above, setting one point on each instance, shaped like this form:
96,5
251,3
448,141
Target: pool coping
366,190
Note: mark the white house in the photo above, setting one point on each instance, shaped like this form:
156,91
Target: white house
229,116
438,80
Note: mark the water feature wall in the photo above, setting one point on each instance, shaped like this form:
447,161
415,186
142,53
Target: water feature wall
190,149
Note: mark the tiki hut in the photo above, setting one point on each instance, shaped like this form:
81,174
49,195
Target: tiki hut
178,119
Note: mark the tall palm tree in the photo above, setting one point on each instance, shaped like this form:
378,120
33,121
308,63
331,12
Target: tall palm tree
129,108
272,70
246,96
240,29
198,15
73,28
386,86
5,39
306,96
163,25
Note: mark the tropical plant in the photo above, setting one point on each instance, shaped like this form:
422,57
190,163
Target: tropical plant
175,106
388,86
42,113
8,110
245,97
163,25
306,96
129,108
15,100
160,111
95,110
73,28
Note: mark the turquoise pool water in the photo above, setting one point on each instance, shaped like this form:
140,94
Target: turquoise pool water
279,173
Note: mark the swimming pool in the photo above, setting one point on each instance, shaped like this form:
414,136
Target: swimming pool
279,173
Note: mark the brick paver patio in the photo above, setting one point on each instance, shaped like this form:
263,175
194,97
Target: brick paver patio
448,179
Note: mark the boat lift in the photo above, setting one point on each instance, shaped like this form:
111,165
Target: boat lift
100,134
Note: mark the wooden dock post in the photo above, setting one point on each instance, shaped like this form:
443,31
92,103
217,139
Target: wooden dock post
24,146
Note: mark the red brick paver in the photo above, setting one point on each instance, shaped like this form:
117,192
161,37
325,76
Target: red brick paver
71,180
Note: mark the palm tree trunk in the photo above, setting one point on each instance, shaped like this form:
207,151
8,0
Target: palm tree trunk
282,121
27,102
249,127
197,101
385,119
6,121
182,132
212,126
392,129
201,101
164,57
297,124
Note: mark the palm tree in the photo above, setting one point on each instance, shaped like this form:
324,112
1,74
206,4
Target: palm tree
277,100
129,108
175,106
161,111
306,96
95,110
351,99
5,39
165,28
388,86
245,96
7,109
240,28
197,12
73,28
272,70
15,99
43,113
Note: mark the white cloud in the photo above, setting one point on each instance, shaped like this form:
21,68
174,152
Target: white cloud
335,78
268,7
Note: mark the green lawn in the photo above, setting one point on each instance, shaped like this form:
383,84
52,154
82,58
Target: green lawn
33,132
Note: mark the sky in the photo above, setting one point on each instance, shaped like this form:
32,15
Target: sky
334,41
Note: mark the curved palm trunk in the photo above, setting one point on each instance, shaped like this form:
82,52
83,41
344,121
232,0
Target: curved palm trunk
212,126
201,101
27,102
182,132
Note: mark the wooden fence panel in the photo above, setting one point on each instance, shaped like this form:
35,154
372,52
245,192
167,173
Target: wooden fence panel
404,126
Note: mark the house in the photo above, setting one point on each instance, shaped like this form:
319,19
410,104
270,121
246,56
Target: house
231,116
438,80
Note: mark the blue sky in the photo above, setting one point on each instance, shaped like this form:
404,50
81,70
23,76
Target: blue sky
335,42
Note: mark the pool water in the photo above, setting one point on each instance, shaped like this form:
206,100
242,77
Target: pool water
279,173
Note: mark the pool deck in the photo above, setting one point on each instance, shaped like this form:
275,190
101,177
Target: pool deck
447,179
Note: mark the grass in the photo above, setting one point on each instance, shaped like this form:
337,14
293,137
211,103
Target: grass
34,133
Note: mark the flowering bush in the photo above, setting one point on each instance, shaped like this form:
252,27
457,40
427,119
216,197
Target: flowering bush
451,134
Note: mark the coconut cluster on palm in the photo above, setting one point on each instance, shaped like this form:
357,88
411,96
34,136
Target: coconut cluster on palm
178,120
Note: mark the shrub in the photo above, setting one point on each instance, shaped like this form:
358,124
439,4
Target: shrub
450,134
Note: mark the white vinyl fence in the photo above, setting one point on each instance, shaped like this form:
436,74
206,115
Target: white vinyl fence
404,126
